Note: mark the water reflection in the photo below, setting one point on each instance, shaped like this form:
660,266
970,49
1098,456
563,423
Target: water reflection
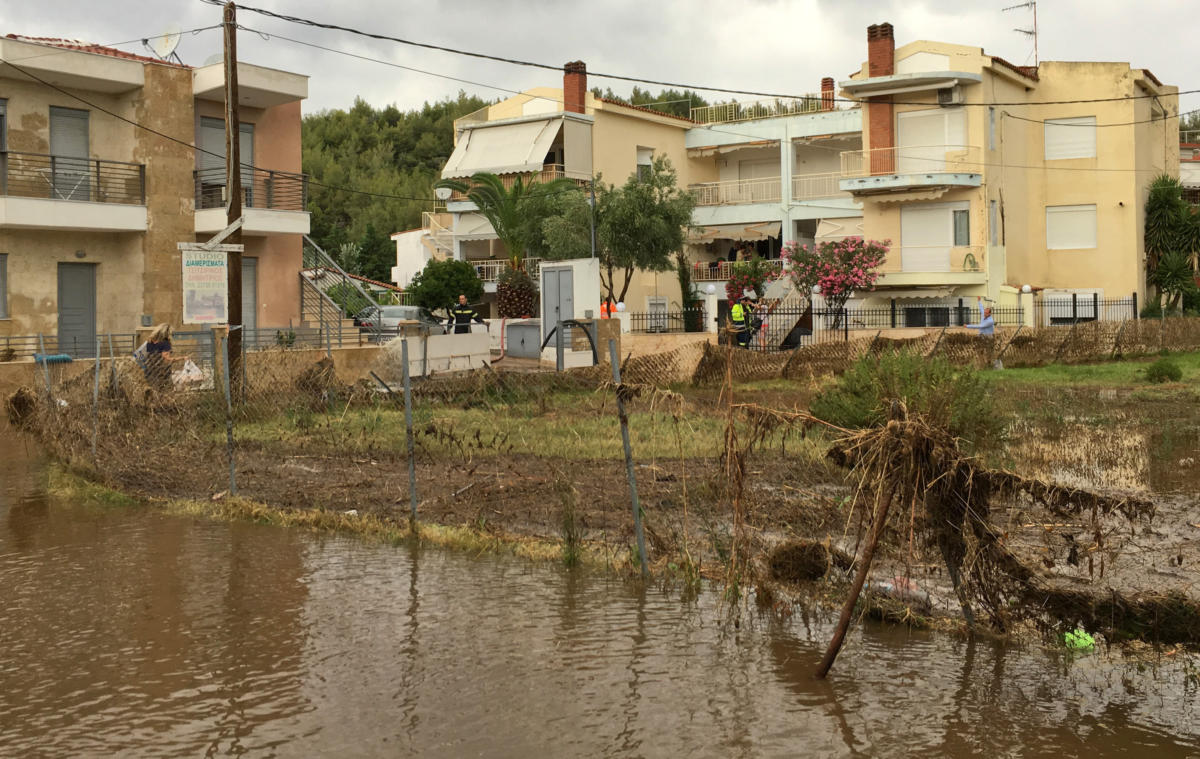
125,632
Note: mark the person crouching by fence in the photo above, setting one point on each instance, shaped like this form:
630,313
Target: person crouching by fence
739,320
155,357
462,315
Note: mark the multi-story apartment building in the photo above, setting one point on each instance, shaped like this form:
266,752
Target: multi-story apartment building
92,207
979,172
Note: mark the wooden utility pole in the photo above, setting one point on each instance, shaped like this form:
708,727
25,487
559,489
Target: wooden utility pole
233,201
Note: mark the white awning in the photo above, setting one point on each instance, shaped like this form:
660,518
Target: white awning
839,229
932,292
764,230
474,227
503,148
709,150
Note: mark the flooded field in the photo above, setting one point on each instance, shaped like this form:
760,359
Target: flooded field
126,632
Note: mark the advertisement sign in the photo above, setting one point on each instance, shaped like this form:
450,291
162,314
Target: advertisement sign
205,286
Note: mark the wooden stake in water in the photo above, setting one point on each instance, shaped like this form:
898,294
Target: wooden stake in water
228,415
633,494
408,428
96,402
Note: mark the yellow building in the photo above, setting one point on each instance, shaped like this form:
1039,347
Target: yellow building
92,208
981,182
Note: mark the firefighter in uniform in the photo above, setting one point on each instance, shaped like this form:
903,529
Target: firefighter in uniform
462,315
739,317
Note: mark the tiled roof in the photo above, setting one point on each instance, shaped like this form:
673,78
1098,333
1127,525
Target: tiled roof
647,110
88,47
1028,71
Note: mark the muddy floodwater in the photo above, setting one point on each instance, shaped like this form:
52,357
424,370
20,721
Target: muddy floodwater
124,632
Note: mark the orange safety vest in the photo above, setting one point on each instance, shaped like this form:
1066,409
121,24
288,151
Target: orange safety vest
605,310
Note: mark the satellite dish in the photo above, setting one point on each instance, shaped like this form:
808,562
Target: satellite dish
165,43
442,193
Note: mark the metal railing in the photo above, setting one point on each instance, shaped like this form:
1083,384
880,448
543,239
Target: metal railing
814,186
958,313
327,294
274,190
37,175
915,159
759,109
685,320
442,235
489,270
737,191
1060,310
720,270
919,259
195,344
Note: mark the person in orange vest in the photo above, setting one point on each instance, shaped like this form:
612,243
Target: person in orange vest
606,309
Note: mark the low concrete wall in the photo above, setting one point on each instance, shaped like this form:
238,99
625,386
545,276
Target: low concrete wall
644,344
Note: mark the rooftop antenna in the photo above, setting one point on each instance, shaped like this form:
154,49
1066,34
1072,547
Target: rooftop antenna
164,44
1031,5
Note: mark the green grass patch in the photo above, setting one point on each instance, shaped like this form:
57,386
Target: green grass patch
1126,372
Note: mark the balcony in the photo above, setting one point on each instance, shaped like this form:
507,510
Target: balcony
490,269
719,271
551,172
737,192
817,187
39,191
724,113
935,265
935,168
273,202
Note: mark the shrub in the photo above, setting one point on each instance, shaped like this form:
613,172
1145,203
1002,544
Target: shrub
946,395
1164,370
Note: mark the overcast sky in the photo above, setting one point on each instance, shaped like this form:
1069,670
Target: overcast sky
768,45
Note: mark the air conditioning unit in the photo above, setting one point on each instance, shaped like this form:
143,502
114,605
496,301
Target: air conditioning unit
951,96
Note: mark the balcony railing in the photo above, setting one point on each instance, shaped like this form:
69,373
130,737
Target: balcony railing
274,190
489,270
915,159
737,192
926,259
37,175
719,271
549,173
816,186
760,109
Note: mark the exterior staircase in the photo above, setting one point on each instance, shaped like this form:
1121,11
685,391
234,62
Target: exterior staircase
329,299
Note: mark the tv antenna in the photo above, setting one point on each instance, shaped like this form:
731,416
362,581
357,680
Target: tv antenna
1032,32
164,44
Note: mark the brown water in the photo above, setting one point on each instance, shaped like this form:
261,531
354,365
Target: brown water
127,633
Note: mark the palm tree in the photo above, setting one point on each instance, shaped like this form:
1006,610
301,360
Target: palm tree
1172,240
506,209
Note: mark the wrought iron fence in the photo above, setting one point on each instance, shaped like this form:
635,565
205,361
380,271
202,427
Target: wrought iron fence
37,175
958,314
1051,311
685,320
275,190
194,344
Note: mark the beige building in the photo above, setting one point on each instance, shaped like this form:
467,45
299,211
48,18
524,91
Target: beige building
92,207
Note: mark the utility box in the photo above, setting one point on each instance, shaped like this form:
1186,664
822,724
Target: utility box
569,290
523,339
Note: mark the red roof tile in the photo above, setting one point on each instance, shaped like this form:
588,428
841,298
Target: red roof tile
88,47
647,110
1028,71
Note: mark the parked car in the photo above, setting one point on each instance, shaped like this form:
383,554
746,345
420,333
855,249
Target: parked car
388,319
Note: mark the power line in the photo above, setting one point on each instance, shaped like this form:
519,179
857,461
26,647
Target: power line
84,45
640,80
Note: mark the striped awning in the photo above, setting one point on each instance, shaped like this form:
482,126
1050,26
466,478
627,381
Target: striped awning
764,230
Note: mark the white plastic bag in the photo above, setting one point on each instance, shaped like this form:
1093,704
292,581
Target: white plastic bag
189,374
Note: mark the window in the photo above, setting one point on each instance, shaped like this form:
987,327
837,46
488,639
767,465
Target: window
3,285
994,223
1071,138
962,228
991,128
211,161
1070,227
645,162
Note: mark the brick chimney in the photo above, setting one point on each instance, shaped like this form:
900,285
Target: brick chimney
827,93
881,124
575,86
881,50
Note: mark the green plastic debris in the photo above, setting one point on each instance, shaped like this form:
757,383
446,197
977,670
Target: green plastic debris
1079,639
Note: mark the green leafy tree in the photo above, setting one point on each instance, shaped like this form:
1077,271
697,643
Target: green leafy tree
565,229
1172,240
439,284
674,102
640,225
514,215
693,318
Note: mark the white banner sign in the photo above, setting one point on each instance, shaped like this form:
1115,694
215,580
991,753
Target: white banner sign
205,286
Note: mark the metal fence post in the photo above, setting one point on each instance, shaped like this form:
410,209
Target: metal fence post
1074,308
1096,306
559,348
637,509
1135,307
45,363
408,427
96,403
112,365
228,414
845,325
893,313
